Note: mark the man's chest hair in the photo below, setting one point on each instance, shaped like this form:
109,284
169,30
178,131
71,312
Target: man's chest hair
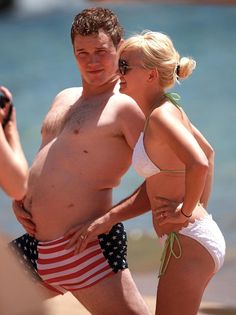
87,118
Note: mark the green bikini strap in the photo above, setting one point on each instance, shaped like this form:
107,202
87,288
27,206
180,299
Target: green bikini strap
174,98
169,243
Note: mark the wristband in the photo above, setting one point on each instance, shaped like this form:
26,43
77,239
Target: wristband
187,216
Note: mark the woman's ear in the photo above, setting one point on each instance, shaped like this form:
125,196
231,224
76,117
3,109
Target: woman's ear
153,75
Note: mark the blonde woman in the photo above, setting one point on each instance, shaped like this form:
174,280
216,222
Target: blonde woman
177,163
13,164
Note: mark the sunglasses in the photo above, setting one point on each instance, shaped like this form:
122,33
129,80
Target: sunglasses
123,66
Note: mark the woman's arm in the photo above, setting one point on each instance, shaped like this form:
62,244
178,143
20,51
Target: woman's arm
167,128
134,205
210,154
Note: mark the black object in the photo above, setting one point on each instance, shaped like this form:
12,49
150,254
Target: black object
6,5
3,101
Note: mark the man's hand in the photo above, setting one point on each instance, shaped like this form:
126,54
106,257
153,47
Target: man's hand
82,234
24,217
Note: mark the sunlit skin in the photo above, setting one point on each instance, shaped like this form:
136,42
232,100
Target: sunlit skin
142,85
13,164
88,137
173,143
86,130
96,59
136,84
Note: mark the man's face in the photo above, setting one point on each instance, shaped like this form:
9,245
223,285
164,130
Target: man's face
96,57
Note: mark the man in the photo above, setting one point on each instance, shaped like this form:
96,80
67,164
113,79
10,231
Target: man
87,141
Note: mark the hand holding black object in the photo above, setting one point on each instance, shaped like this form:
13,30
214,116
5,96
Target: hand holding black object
3,101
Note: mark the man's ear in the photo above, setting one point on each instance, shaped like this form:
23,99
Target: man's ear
120,43
153,75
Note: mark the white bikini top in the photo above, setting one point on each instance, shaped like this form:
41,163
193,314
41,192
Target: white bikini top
142,163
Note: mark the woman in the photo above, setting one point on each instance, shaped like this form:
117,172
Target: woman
14,167
177,163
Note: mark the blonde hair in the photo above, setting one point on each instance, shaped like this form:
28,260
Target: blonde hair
158,52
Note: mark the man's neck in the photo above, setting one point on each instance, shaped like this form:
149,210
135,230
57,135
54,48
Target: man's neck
93,90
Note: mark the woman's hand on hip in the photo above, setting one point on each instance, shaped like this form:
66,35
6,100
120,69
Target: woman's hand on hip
82,234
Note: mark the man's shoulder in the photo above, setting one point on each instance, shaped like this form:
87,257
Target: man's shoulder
129,117
123,98
126,109
67,96
124,102
71,92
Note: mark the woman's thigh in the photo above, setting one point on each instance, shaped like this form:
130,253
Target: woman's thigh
181,288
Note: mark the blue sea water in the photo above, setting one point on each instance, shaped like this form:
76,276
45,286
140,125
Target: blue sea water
36,62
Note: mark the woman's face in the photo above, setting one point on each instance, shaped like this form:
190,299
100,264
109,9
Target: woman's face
132,73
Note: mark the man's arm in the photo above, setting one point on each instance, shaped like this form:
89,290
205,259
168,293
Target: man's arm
134,205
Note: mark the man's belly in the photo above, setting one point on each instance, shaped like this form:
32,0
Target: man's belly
59,202
71,182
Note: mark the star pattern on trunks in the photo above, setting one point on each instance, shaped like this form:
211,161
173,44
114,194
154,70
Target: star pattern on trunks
25,249
114,247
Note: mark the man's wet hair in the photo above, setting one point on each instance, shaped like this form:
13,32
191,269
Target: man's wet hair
90,21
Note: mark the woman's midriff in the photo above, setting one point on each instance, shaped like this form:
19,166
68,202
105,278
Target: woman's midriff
171,187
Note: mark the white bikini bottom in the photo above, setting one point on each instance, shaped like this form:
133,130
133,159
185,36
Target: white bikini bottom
207,233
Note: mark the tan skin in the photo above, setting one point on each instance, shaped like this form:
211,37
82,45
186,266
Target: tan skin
169,133
86,130
165,190
171,142
13,164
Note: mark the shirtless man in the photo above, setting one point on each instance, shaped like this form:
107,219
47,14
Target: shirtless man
87,141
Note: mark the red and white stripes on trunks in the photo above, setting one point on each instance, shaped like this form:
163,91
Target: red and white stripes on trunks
62,270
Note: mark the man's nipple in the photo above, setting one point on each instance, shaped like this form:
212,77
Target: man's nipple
76,131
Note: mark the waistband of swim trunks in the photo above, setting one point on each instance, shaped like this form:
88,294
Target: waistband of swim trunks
65,239
60,241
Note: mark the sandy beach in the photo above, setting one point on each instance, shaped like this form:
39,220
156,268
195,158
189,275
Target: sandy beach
68,305
144,254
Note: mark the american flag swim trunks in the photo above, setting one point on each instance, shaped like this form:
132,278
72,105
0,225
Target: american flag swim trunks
61,270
